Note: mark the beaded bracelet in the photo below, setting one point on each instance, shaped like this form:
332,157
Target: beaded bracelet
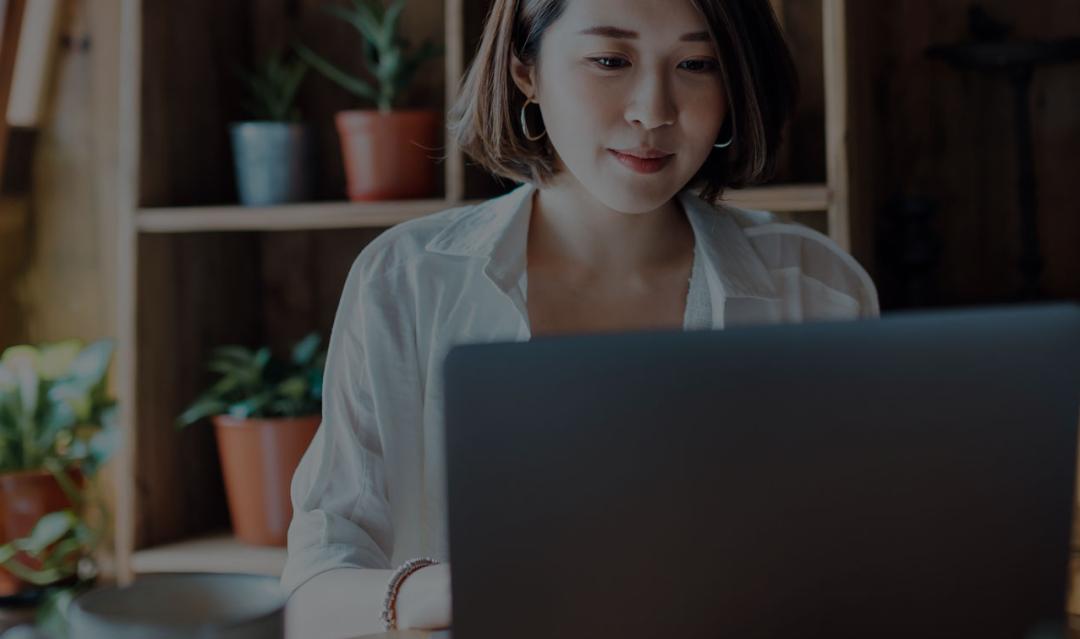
389,613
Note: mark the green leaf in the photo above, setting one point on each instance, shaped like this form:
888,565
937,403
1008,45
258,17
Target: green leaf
272,87
28,355
28,385
293,388
348,82
306,349
101,447
226,367
202,408
72,397
362,19
251,407
52,614
237,354
262,358
50,529
58,358
91,364
8,382
390,21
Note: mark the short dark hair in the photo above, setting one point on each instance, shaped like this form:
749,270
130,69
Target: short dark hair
758,73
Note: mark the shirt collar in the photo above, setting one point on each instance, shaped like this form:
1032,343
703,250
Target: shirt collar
498,229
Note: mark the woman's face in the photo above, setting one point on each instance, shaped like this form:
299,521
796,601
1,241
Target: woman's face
619,80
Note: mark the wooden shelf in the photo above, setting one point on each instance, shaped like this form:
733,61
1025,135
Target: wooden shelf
795,198
289,217
216,553
336,215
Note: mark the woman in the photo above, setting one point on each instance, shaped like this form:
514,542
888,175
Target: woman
612,113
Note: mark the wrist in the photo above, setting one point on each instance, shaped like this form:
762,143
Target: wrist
391,603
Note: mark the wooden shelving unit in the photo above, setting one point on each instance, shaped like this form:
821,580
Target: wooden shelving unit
341,215
194,274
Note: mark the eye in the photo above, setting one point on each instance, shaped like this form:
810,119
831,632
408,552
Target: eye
608,62
701,66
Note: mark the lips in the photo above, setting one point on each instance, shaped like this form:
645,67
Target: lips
643,161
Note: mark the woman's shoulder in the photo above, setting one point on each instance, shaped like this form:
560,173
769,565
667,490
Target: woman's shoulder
404,245
792,246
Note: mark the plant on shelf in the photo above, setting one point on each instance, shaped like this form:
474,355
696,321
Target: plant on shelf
265,412
386,148
272,150
58,426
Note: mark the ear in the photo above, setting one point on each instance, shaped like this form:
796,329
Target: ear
524,76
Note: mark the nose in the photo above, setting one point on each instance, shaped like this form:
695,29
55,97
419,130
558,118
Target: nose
651,105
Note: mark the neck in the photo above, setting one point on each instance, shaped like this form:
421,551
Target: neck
573,230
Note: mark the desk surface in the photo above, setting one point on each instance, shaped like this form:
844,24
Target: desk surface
1074,633
409,634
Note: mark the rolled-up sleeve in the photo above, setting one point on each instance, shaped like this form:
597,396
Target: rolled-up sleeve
341,507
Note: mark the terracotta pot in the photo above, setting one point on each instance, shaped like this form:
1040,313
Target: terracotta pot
258,458
389,156
26,497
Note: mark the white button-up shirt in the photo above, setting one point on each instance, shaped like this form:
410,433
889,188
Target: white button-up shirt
370,491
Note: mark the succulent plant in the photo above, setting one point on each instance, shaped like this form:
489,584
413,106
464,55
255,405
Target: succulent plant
255,384
387,56
272,87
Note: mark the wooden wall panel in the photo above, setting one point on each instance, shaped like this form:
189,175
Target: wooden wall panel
803,158
189,96
196,292
303,274
925,128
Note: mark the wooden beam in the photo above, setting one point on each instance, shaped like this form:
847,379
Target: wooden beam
12,16
127,181
38,42
836,119
455,68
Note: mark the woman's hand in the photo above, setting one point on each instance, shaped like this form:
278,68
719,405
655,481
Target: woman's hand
423,601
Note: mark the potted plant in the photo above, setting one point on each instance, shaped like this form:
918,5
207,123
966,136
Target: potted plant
272,151
387,150
57,427
265,413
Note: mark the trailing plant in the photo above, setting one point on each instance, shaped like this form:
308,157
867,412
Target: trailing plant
57,416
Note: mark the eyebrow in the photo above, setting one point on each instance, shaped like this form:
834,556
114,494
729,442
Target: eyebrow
616,32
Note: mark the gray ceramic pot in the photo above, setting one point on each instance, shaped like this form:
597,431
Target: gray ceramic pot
273,162
171,606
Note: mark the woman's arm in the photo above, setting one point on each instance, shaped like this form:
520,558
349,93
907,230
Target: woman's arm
345,602
342,535
348,602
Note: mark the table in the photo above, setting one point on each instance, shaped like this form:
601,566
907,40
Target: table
408,634
1074,633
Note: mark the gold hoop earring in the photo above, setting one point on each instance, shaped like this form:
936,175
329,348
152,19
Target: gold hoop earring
730,140
525,125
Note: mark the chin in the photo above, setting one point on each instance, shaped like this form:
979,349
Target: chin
637,197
